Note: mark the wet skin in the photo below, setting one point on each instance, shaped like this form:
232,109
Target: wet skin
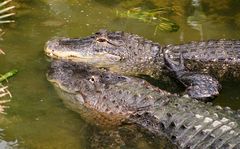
106,98
132,55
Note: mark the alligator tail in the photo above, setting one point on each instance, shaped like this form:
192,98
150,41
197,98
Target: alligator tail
192,124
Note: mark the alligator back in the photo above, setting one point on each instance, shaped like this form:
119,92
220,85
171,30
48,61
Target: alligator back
107,98
192,124
218,57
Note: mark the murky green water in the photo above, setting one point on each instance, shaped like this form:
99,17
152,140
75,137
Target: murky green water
37,118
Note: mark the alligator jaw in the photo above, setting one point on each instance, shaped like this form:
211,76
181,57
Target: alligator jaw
100,58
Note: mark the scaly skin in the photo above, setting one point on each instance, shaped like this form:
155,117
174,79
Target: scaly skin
107,98
131,54
198,85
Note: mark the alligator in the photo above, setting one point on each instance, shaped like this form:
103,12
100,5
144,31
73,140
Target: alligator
110,99
130,54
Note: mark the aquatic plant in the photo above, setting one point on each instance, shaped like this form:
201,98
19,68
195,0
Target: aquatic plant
153,16
5,13
4,89
8,75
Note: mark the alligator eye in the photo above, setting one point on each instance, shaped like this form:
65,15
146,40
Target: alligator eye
102,40
92,80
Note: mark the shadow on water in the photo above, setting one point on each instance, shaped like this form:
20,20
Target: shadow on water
37,118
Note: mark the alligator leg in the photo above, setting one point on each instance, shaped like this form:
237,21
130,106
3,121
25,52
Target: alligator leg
198,85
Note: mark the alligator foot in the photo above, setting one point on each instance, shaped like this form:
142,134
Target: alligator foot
198,85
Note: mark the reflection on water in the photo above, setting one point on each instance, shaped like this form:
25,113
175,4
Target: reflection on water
8,145
197,19
36,117
4,142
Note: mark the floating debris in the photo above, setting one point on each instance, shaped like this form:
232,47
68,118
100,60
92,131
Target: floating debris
1,52
6,12
153,16
4,89
4,92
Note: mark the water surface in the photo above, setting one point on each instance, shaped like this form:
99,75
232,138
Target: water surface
37,118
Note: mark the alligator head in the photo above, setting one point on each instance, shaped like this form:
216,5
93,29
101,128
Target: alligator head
98,95
115,50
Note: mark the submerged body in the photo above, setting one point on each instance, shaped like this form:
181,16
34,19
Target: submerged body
131,54
111,99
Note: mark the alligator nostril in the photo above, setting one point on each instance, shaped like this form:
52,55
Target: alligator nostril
101,39
92,79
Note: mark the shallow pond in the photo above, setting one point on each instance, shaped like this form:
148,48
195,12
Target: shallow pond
37,117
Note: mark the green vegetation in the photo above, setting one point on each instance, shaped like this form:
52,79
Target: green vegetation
5,13
153,16
8,75
4,89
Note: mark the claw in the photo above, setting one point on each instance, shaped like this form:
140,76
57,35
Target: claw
199,86
173,65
